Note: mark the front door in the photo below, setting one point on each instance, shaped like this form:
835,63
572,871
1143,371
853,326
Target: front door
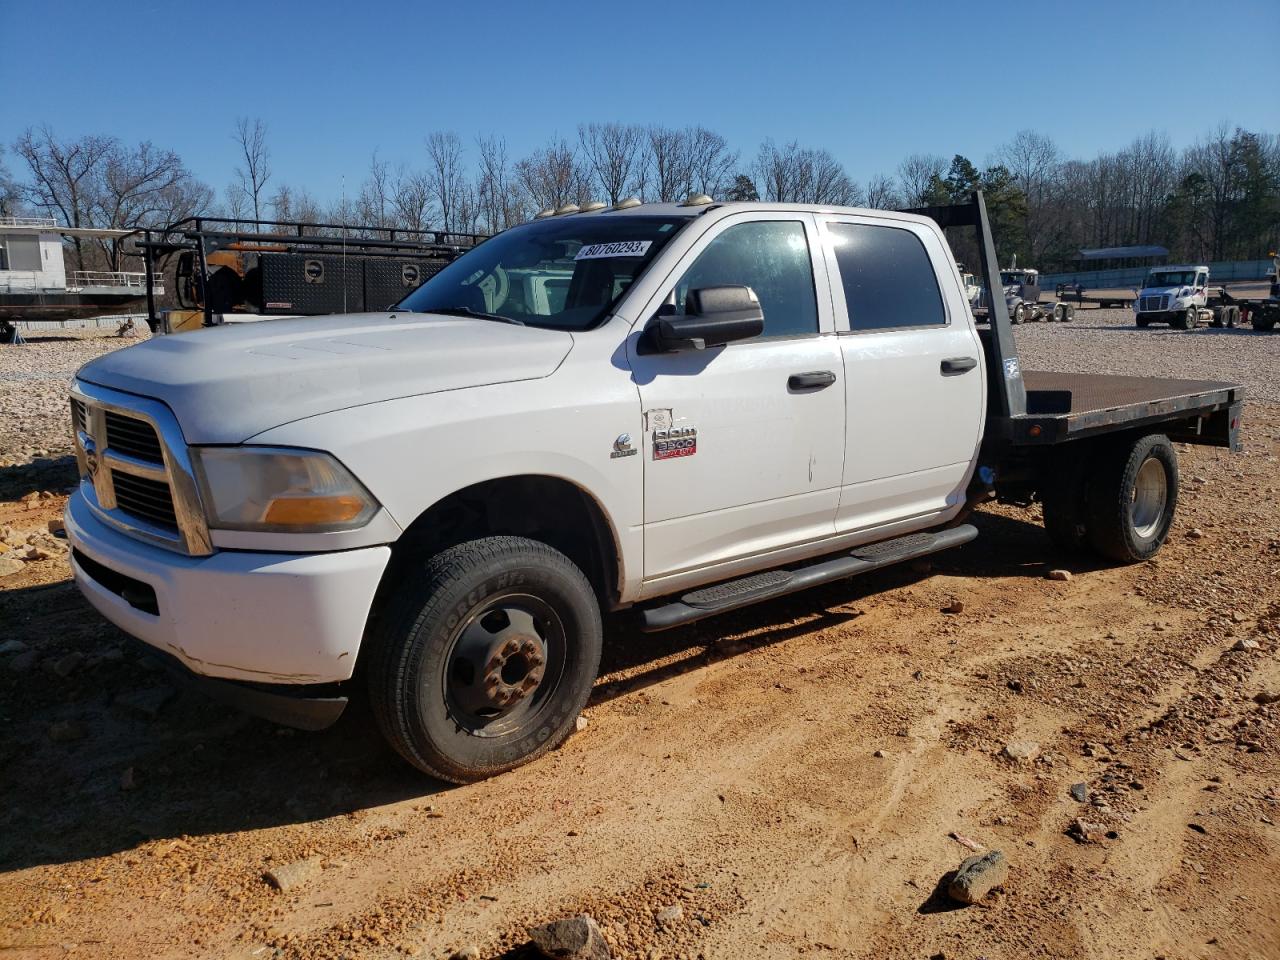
913,370
744,443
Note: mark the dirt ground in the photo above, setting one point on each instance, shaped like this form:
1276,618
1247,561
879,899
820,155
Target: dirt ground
792,776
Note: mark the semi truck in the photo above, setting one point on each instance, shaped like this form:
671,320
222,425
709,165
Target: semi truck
707,405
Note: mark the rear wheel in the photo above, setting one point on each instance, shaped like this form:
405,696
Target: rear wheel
485,657
1068,312
1132,495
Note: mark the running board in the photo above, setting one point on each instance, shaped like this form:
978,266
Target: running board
734,594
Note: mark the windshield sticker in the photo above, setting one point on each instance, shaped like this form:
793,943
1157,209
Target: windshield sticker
622,248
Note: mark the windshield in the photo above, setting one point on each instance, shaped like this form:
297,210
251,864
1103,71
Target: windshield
563,273
1009,277
1172,278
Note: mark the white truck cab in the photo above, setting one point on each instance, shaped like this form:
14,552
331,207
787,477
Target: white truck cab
678,407
1174,295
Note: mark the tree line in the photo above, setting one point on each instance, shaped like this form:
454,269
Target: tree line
1216,199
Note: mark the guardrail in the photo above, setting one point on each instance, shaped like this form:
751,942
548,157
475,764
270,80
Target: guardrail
106,278
28,221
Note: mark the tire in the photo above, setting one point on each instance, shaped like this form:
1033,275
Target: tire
1218,314
1057,316
455,621
1068,312
1230,316
1064,503
1132,496
1019,313
1190,319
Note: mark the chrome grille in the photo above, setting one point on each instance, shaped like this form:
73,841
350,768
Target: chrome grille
135,469
145,498
1154,303
133,438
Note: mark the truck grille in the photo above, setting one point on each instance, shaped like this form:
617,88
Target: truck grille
1154,304
135,470
133,438
145,498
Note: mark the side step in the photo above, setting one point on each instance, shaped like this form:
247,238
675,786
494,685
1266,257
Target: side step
733,594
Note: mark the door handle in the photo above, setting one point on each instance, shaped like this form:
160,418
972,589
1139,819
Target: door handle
815,380
954,365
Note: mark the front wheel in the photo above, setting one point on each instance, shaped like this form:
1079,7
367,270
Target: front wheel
1019,313
1132,495
1190,319
485,657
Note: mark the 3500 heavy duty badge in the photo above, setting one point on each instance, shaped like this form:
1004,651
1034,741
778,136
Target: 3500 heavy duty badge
676,442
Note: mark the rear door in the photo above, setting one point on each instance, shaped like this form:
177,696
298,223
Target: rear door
744,443
914,375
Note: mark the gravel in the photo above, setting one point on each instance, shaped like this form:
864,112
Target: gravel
33,390
1107,341
34,377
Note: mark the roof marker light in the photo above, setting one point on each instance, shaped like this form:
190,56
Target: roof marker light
696,200
567,209
592,206
548,212
627,204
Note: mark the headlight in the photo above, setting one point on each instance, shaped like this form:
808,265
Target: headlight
283,490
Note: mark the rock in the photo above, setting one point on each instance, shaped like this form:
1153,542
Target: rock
1021,750
574,938
57,526
978,876
580,724
66,665
23,661
1083,831
469,952
10,565
1080,792
12,646
66,731
1265,697
1063,575
1244,644
1195,533
955,606
880,754
145,703
1015,686
669,915
289,876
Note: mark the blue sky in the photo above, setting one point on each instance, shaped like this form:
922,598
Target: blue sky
870,82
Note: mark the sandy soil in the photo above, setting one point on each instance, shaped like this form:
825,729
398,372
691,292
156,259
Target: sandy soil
791,776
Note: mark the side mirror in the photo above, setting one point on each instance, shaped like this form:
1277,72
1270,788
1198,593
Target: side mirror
713,316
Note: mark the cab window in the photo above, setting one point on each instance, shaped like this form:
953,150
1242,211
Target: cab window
888,279
772,258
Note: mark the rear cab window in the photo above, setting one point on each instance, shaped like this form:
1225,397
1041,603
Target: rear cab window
886,275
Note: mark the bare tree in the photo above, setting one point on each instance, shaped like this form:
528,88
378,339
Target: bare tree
670,166
255,171
882,194
554,176
64,177
374,205
9,195
446,176
499,193
144,186
792,174
412,200
916,174
612,151
711,162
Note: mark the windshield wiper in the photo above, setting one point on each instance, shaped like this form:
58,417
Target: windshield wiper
468,312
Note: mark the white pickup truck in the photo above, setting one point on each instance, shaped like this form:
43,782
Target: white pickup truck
679,409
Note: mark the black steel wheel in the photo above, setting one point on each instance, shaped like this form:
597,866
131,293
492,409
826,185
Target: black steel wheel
1132,496
484,657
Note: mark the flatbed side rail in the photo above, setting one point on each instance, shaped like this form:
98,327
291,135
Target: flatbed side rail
1008,393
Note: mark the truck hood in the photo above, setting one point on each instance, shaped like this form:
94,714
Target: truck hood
1161,291
226,384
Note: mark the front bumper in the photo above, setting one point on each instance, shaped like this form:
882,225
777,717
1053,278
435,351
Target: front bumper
267,619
